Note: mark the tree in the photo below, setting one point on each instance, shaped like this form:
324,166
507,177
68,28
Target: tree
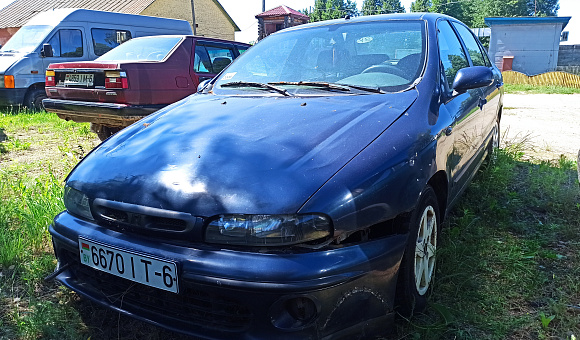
392,6
450,7
332,9
421,6
371,7
543,8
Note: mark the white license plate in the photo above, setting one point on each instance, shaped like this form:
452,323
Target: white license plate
140,268
78,79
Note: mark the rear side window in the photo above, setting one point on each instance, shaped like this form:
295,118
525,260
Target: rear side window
105,40
452,55
212,59
67,43
473,48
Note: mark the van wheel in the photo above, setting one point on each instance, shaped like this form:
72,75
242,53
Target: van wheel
418,264
33,99
102,131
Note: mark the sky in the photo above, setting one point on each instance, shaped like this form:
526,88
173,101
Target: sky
243,13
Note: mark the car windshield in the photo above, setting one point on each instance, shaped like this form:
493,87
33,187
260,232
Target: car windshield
146,49
385,55
27,38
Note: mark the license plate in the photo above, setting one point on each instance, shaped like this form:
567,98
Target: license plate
78,79
145,269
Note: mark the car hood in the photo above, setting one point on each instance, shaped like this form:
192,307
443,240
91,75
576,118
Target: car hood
210,154
7,59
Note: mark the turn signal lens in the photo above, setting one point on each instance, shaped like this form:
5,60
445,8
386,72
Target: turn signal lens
50,80
9,82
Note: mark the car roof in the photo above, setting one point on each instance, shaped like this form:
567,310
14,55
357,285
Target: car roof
188,36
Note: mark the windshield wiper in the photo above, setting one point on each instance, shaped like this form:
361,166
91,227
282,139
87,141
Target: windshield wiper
320,84
330,86
256,85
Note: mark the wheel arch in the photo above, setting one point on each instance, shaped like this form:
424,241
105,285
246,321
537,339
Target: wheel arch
440,185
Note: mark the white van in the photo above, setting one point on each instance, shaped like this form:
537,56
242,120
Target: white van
64,35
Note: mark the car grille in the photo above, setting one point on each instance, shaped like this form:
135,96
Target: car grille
192,307
146,221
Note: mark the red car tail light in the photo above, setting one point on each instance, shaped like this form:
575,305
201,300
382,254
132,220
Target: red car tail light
50,79
116,80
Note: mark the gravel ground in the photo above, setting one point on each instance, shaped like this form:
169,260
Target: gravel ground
548,123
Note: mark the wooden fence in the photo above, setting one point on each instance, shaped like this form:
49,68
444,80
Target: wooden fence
548,78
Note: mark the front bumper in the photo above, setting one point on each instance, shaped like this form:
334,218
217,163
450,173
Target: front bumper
227,294
108,114
12,97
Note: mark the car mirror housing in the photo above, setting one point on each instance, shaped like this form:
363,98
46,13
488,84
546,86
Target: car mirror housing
472,77
46,51
202,85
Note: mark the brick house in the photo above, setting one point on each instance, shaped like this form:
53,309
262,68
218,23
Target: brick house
210,17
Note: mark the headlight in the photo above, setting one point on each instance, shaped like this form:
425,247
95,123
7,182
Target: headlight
267,230
77,203
1,80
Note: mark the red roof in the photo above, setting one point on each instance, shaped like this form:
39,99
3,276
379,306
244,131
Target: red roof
282,11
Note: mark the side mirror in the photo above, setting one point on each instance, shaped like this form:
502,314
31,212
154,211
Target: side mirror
202,85
472,77
46,51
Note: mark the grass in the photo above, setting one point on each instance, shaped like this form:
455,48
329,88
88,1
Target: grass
534,89
508,266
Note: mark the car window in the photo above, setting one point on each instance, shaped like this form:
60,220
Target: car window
105,40
67,43
202,63
451,53
143,49
242,49
387,54
220,57
473,48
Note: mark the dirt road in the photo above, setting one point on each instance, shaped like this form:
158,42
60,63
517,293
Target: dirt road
549,122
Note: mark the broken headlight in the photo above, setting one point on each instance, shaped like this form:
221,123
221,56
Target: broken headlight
77,203
267,230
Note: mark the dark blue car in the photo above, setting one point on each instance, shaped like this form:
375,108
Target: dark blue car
299,194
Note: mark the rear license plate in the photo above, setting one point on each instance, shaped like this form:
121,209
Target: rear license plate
141,268
78,79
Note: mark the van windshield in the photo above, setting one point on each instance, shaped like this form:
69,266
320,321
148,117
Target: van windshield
27,38
146,49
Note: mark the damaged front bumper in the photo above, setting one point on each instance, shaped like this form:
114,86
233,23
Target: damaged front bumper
227,294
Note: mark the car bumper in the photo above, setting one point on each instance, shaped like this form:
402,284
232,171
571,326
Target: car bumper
109,114
227,294
12,97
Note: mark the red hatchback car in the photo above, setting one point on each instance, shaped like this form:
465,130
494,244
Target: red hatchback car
135,79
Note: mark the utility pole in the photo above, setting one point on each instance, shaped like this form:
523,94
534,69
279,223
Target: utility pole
263,6
193,18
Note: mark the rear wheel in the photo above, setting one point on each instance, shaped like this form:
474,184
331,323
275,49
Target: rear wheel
33,99
418,264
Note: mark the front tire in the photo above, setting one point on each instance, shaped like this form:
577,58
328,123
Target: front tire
418,264
33,99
